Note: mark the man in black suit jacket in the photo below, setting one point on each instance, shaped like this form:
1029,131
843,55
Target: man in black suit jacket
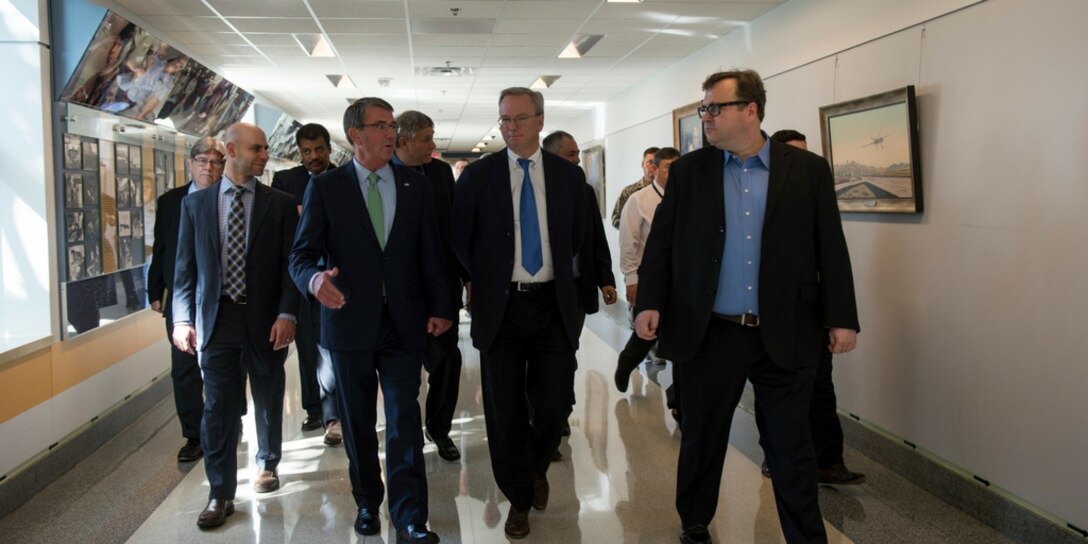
383,290
441,357
231,274
518,247
206,163
746,276
314,372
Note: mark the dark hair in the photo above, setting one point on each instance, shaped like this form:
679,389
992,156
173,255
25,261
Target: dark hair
749,87
312,131
664,154
410,122
538,99
355,115
787,135
552,141
650,151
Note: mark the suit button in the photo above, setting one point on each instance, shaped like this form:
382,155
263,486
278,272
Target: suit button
714,260
721,229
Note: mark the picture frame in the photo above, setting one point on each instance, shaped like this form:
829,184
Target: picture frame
687,128
872,146
73,152
90,155
593,163
73,191
120,155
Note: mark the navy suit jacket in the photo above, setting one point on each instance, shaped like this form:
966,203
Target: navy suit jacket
335,224
483,238
198,274
293,181
805,280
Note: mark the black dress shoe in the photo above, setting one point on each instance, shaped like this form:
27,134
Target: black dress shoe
557,456
191,451
765,470
367,522
416,534
312,422
215,514
623,371
517,524
541,490
838,474
446,448
565,429
695,534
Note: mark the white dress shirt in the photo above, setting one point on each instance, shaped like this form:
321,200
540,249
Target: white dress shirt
635,221
536,176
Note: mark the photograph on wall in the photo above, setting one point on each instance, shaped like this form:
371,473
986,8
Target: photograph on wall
125,192
124,223
94,260
687,129
73,191
593,163
90,190
109,227
92,226
90,155
137,224
137,191
124,259
73,152
135,161
73,225
120,155
872,146
76,265
137,250
281,141
205,103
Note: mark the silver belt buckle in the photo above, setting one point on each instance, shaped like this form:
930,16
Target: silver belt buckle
749,320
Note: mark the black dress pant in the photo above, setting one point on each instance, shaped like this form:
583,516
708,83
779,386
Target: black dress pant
188,387
308,356
528,364
442,359
711,385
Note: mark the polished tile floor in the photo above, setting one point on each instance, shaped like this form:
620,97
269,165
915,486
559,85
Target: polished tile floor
614,484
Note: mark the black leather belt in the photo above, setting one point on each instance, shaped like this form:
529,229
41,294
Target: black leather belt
747,320
522,287
227,299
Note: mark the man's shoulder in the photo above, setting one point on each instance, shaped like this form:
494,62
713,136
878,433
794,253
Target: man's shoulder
632,188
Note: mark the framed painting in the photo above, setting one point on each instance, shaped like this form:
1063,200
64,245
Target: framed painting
687,129
871,144
593,162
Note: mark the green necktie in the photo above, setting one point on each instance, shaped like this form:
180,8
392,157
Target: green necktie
374,206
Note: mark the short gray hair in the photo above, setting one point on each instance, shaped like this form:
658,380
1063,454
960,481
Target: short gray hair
355,115
206,144
538,99
410,122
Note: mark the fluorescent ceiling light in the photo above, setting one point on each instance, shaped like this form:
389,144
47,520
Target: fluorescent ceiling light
624,1
314,45
341,81
580,45
543,82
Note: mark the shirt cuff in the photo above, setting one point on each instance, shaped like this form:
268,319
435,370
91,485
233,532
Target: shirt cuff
310,287
631,279
288,317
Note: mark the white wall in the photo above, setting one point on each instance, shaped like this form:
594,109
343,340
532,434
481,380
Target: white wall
973,312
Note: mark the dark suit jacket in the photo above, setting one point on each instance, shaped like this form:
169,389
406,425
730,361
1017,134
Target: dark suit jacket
198,274
595,259
483,238
335,224
293,181
160,274
805,280
441,175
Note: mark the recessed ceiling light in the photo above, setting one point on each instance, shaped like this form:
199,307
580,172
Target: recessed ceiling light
580,45
314,45
543,82
341,81
624,1
475,150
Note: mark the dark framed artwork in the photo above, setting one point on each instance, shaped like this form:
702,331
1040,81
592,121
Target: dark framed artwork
593,163
687,129
73,191
90,155
872,146
73,152
121,157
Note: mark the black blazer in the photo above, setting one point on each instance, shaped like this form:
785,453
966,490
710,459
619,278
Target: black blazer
594,257
198,274
160,274
293,181
441,175
335,224
805,280
483,238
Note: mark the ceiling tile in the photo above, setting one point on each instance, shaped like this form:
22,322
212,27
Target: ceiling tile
274,24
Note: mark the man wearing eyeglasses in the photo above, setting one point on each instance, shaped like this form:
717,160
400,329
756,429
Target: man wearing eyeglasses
745,277
382,290
519,216
314,372
206,164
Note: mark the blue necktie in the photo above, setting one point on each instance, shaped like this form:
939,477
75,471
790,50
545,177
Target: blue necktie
532,257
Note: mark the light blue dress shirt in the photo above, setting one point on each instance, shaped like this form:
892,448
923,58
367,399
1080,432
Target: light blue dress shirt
745,192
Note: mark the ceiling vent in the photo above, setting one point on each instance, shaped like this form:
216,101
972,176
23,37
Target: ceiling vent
445,71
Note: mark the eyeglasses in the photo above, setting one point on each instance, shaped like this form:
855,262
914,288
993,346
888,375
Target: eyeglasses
715,108
202,162
380,126
516,121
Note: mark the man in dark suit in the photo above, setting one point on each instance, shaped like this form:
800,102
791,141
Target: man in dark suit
441,357
383,290
746,276
594,260
519,216
314,371
231,274
206,163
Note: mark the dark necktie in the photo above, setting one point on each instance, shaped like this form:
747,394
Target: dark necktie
234,280
532,257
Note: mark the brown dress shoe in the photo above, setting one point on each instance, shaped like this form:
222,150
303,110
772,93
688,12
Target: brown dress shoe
838,474
517,524
266,481
333,434
215,514
540,491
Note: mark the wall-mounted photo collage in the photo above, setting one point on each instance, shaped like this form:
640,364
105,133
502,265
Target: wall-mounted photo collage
130,205
164,171
81,204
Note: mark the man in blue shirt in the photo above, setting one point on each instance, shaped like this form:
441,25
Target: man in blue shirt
746,277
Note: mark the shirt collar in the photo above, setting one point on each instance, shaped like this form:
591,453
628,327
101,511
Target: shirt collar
764,155
534,158
385,173
417,168
225,184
